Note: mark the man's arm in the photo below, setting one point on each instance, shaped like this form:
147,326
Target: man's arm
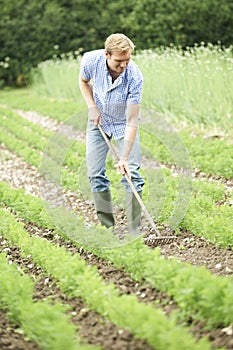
87,93
130,135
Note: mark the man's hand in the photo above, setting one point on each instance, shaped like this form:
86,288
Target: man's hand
94,115
123,167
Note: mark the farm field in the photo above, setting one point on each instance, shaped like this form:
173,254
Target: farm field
60,287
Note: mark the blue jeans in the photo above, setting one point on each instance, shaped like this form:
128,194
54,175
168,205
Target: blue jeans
96,153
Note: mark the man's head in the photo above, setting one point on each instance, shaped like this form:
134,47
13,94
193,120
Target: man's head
119,43
118,49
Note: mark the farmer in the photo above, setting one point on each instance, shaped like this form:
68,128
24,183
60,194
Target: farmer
111,85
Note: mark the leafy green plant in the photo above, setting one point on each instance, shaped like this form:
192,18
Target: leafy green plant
209,155
77,279
48,325
189,286
191,292
58,109
212,156
31,155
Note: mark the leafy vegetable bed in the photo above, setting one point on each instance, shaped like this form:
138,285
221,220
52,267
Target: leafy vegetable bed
170,301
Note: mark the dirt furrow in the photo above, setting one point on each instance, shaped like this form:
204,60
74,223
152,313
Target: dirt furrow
187,247
71,133
91,325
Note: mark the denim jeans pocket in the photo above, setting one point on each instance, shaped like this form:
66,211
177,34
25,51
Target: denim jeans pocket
91,126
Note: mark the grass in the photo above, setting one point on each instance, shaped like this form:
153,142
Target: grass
58,77
27,99
192,87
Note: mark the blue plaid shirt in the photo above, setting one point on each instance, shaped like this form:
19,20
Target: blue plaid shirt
112,98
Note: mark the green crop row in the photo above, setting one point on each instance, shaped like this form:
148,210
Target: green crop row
9,117
29,154
204,216
71,154
46,324
27,100
67,167
53,153
65,152
208,155
205,219
42,148
37,137
56,171
199,294
79,279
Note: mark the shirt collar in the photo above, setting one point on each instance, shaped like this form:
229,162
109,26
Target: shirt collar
107,71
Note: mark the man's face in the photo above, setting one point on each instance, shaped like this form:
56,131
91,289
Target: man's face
118,61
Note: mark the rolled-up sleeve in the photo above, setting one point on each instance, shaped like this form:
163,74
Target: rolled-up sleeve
135,86
135,92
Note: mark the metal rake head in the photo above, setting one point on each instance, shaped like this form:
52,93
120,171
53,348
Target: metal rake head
154,240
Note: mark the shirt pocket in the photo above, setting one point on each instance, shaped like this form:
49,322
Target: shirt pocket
121,96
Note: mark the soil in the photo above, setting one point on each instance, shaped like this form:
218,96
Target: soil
93,327
10,339
90,325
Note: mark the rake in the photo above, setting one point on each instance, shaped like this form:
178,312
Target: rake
156,238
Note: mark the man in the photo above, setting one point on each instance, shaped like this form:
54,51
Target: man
111,85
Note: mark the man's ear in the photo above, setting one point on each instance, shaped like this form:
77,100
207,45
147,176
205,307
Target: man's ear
107,54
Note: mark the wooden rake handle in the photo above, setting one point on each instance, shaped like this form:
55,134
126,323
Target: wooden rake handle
117,158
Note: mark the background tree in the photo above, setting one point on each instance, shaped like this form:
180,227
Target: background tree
33,31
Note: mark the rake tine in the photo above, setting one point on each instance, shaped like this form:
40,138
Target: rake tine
154,240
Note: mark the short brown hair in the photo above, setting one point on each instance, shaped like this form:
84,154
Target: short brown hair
118,42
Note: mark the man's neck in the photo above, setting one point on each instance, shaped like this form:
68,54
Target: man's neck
113,74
